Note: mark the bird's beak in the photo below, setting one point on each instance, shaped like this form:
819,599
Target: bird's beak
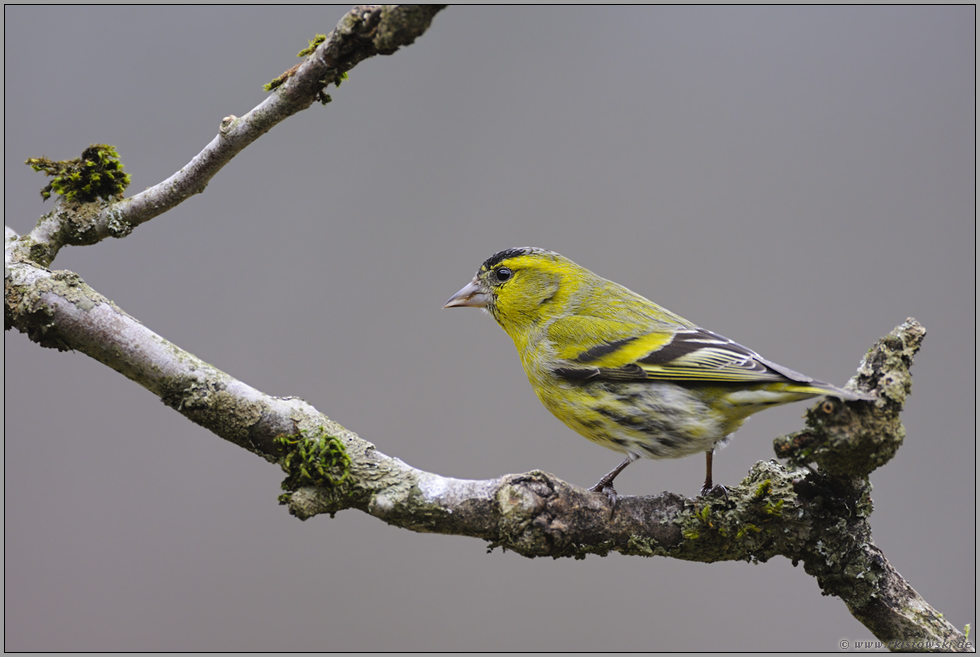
471,295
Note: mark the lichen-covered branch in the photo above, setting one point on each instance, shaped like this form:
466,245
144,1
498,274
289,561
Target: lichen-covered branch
365,31
817,518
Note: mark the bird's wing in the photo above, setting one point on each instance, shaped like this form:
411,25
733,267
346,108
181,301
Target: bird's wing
685,355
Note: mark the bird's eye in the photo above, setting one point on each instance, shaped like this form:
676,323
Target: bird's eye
504,274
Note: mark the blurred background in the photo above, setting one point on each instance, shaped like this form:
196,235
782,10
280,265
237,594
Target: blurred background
799,179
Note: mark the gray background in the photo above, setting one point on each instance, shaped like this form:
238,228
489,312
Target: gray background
798,179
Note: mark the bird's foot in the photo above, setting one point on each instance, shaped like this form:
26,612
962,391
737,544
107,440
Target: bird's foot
716,490
608,491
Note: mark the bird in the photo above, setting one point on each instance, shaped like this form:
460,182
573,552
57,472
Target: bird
622,371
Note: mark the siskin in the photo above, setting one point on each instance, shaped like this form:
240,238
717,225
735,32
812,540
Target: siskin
622,371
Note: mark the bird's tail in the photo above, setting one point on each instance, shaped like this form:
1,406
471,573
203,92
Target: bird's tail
820,388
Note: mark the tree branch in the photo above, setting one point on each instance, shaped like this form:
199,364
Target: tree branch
365,31
819,518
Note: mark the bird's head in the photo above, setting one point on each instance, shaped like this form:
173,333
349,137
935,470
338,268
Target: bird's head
522,288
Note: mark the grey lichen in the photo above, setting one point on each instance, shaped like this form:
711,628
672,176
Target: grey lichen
34,315
755,521
117,225
853,439
401,24
202,398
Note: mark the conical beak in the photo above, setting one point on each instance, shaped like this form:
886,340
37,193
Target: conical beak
471,295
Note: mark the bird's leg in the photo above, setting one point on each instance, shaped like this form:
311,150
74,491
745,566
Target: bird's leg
709,488
604,485
708,457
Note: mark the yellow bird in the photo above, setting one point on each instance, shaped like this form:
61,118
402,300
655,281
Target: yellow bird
622,371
